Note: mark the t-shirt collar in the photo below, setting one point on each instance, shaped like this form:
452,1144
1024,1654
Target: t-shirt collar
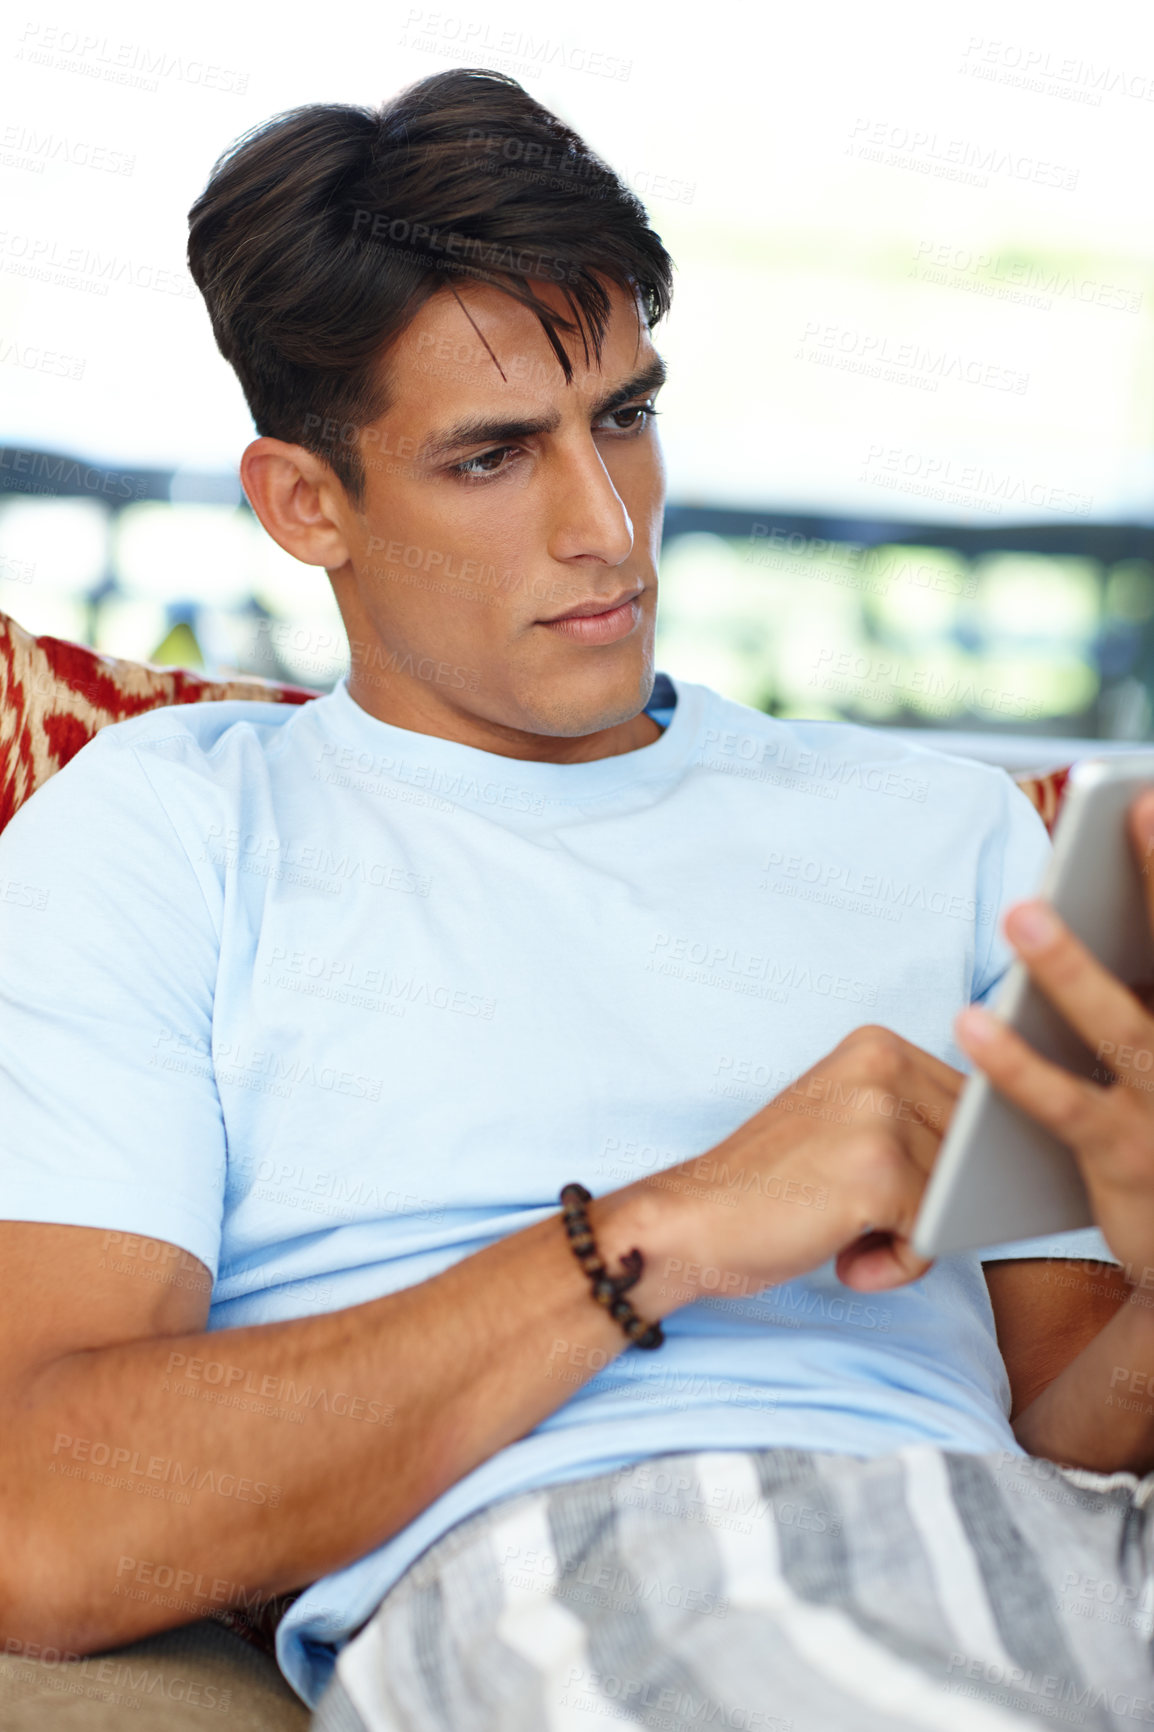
468,774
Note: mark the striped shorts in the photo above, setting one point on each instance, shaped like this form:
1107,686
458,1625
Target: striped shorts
774,1590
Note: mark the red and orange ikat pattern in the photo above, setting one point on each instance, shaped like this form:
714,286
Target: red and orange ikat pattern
1046,793
55,695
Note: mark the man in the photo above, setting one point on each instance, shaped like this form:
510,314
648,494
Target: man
324,1011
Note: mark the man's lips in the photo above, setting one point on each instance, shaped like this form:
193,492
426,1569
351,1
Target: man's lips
598,621
596,604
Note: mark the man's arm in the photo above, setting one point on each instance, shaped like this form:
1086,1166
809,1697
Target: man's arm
102,1427
1098,1411
1047,1311
124,1432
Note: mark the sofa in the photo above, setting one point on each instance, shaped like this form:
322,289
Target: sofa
54,696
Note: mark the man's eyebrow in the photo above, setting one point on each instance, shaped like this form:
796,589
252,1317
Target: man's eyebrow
642,384
478,430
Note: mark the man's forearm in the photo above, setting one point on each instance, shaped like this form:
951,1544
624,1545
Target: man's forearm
1099,1412
247,1462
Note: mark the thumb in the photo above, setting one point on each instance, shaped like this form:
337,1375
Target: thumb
877,1261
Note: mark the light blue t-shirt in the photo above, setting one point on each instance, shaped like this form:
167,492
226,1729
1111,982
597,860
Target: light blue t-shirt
331,1004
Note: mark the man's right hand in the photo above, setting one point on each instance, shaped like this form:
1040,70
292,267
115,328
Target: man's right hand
834,1166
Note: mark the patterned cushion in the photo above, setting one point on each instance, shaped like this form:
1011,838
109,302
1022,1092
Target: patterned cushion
54,696
1046,792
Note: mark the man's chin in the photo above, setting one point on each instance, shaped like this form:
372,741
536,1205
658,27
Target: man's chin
590,705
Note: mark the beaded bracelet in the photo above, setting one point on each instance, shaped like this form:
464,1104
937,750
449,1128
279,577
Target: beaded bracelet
607,1289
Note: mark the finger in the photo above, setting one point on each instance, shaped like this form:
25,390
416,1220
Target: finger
873,1042
925,1084
1066,1105
915,1122
878,1261
917,1114
944,1076
875,1081
1142,838
1093,1001
923,1142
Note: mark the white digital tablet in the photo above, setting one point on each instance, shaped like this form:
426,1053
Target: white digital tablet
999,1176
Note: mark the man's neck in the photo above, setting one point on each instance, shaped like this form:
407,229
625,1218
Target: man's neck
466,730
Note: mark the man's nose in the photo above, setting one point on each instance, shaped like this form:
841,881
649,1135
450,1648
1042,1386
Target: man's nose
589,518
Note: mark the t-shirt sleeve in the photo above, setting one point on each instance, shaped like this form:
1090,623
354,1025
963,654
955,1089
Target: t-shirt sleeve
1085,1244
1013,868
109,1113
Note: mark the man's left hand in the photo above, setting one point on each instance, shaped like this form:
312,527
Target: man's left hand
1109,1125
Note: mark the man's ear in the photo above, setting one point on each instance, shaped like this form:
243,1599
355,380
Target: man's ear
298,500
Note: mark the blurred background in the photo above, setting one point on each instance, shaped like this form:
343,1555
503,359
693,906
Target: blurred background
910,422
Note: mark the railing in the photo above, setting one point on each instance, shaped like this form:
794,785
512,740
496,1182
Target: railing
1117,644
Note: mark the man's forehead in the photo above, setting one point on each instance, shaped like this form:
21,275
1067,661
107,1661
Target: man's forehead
482,348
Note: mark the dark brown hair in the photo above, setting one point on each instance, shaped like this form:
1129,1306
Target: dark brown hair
323,231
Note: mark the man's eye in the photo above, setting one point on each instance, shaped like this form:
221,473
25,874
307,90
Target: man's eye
634,418
485,463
